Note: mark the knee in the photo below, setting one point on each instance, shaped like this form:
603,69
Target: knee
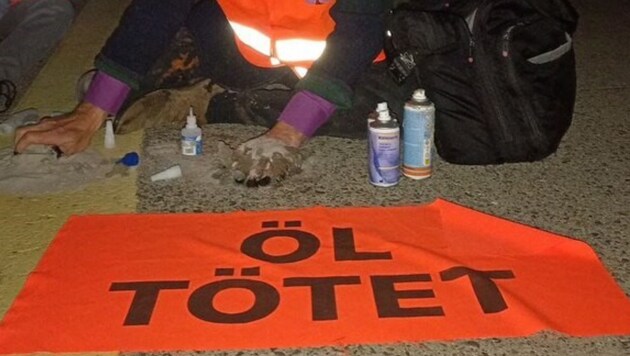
65,10
61,11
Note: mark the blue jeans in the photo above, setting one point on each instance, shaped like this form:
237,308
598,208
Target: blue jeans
29,31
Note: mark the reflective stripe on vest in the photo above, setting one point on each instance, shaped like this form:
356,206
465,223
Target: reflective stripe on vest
296,53
273,33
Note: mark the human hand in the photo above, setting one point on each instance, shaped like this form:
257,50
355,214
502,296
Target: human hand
70,133
268,158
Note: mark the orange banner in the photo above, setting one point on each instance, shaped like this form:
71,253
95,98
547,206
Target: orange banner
310,277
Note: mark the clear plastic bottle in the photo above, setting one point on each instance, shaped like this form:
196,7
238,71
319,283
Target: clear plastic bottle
192,144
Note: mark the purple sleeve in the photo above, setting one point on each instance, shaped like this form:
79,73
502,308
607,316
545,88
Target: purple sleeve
107,93
307,112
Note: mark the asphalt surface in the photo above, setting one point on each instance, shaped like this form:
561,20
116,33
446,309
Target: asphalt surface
582,191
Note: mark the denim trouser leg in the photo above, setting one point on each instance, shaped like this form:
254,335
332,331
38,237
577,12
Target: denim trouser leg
143,34
28,33
4,7
148,28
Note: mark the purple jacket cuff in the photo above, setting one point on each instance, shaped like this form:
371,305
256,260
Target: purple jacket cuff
107,93
307,112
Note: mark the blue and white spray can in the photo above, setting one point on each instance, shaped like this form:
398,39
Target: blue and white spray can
418,129
384,149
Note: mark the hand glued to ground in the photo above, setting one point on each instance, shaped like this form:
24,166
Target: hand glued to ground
269,158
265,160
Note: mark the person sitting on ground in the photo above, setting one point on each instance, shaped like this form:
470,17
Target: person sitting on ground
29,30
319,48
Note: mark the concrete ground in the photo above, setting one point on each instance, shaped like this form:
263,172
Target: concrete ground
583,191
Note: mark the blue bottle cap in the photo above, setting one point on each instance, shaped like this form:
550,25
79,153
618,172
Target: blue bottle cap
131,159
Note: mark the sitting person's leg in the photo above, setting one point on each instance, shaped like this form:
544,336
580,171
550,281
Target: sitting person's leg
4,7
142,36
126,60
205,49
29,32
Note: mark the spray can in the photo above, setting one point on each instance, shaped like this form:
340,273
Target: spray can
418,128
384,149
192,144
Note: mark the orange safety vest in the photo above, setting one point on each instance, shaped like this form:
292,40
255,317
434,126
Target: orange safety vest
273,33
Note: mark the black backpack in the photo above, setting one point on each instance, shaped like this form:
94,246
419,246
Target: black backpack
500,72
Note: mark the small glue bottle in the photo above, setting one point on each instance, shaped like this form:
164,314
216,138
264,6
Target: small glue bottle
192,145
110,138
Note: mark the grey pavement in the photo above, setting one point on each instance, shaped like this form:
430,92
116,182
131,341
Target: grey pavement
582,191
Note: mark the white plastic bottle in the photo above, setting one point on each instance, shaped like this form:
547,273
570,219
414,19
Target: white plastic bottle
192,144
110,138
384,149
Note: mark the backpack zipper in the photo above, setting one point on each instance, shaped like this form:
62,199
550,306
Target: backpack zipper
480,67
505,51
524,107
